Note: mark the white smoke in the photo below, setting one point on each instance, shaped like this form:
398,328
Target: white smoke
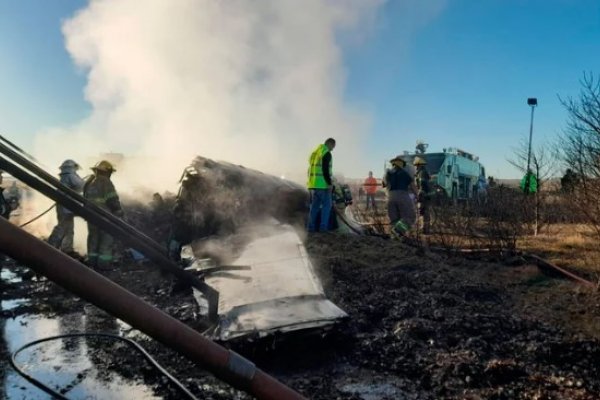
258,83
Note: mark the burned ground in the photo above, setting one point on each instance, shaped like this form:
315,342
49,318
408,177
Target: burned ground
421,326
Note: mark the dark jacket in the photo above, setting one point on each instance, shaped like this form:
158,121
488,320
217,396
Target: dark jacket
397,179
4,206
100,190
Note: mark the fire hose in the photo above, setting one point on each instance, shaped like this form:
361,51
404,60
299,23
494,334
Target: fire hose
131,343
37,217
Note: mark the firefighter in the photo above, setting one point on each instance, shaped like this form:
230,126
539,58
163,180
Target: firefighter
100,190
320,185
400,206
422,184
63,233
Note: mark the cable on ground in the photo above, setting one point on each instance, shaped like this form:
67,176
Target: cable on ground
134,344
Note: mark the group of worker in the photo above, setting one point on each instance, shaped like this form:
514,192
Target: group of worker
402,190
99,190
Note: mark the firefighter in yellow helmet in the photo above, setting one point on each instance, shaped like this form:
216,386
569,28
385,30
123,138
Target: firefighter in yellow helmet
401,209
422,183
100,190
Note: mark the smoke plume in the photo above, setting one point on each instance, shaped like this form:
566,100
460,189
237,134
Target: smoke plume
258,83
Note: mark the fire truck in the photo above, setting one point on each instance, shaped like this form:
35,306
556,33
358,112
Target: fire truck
454,172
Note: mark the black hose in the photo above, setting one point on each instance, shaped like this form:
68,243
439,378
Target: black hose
38,217
137,346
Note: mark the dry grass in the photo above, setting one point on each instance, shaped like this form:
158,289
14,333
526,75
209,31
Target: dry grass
567,245
562,303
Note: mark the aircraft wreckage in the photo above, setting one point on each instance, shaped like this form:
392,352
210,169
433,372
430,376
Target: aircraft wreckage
228,215
239,230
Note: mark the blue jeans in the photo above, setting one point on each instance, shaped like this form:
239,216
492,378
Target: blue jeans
320,203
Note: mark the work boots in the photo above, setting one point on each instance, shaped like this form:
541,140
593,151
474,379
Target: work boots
400,230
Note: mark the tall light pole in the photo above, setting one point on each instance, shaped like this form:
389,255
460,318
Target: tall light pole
532,101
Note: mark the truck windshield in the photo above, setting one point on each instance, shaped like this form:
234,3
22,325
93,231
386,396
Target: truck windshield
434,162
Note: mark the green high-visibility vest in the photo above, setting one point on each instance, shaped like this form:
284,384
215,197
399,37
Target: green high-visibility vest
529,183
316,180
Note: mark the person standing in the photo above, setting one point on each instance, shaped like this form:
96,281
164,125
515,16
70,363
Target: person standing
422,182
320,184
370,189
401,210
63,233
100,191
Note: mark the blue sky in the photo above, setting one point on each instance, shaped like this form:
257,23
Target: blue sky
464,79
39,85
460,79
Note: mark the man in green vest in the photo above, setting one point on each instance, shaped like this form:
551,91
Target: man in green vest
320,185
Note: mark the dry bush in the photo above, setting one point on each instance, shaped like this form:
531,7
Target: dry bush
376,221
506,216
580,150
496,224
586,204
543,165
451,225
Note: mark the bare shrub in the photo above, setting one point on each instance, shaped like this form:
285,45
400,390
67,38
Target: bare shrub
543,166
451,225
376,221
495,224
580,149
505,217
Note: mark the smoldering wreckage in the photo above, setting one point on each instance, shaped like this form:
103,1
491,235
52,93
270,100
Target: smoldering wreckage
334,316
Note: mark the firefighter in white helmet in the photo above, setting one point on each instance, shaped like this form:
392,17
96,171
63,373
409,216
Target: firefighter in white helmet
63,233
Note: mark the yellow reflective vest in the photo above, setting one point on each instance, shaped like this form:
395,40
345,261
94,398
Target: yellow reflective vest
316,180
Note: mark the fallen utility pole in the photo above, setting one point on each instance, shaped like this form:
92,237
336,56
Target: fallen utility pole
29,173
112,298
541,263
